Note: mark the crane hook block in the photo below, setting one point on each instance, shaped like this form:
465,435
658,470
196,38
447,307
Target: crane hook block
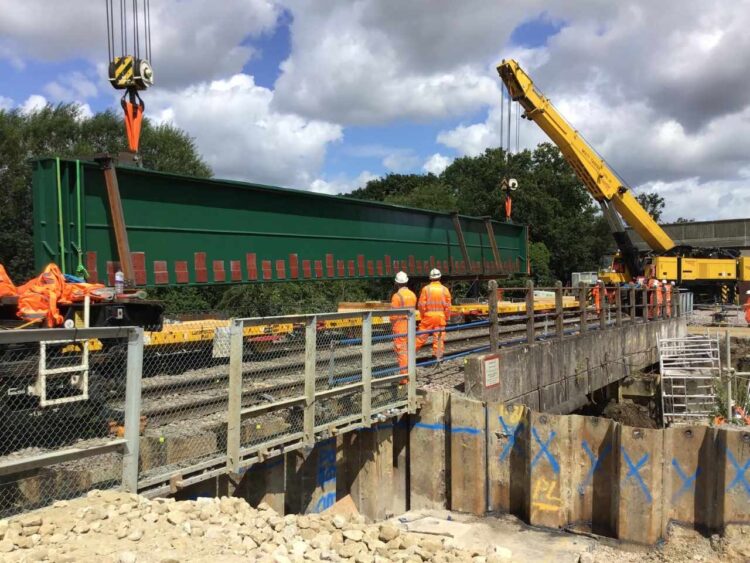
512,184
130,73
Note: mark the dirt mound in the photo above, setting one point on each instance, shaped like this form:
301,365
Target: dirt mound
629,414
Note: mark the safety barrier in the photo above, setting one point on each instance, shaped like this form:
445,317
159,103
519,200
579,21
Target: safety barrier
70,417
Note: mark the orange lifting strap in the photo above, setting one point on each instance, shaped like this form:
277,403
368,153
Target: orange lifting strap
508,207
133,117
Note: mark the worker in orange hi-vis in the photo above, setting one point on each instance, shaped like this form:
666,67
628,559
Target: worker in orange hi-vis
596,296
659,298
747,307
667,297
651,312
435,310
403,298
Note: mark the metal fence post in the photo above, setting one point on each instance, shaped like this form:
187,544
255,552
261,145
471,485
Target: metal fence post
411,345
234,406
133,410
311,347
530,333
367,368
618,306
604,306
492,305
582,305
729,370
633,306
644,303
559,325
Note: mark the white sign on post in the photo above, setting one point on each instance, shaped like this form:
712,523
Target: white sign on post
491,370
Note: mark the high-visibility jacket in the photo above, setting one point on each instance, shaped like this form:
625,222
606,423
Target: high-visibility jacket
596,296
668,298
747,310
435,299
404,298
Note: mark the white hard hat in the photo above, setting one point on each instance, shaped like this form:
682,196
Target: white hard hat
672,282
435,274
598,281
401,277
747,292
663,281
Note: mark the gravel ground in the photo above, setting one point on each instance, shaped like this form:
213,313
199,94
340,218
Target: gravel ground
116,527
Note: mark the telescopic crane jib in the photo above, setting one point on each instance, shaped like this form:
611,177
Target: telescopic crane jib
129,51
714,268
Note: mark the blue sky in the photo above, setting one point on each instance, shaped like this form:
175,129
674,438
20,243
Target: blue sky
325,95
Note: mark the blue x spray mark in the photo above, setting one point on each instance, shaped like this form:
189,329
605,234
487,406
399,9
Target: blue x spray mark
739,477
634,471
687,480
544,450
596,463
513,435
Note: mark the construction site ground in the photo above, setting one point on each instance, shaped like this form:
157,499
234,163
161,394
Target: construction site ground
111,526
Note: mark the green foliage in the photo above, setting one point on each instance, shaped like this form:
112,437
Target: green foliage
550,199
63,131
653,203
540,257
684,220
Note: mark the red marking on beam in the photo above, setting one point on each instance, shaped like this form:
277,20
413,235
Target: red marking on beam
201,273
432,262
329,265
387,262
139,267
235,269
411,264
419,267
351,269
445,267
360,264
426,266
218,268
265,265
306,271
403,265
281,269
181,271
318,269
91,267
340,268
252,265
111,269
161,274
379,267
293,266
370,268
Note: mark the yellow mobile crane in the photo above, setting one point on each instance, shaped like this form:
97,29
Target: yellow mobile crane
702,268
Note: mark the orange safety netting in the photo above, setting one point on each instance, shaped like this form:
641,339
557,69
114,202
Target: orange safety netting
38,298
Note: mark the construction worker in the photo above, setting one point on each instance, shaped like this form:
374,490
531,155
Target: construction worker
667,297
651,298
403,298
747,307
435,310
596,296
659,298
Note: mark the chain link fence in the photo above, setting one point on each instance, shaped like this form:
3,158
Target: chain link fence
68,403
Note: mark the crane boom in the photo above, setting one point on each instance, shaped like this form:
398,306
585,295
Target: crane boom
601,181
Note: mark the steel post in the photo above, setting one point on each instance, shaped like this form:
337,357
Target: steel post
492,306
133,410
582,304
530,331
367,368
234,406
559,311
311,346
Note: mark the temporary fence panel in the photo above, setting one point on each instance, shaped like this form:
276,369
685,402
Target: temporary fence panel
70,414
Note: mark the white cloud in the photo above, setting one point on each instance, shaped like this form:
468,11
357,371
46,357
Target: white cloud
5,103
71,87
401,161
192,41
436,163
692,199
241,136
342,184
33,103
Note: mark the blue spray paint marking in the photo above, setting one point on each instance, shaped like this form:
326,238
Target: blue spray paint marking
325,502
544,450
326,467
428,426
634,471
739,477
465,430
687,481
512,435
596,463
